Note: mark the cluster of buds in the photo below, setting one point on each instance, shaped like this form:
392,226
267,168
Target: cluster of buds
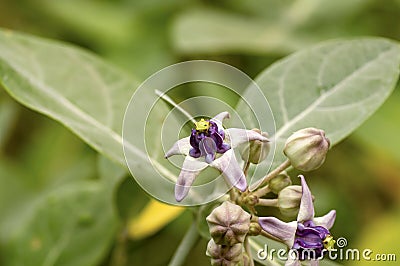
229,225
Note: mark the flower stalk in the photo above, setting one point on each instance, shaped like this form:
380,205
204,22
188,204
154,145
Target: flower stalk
264,181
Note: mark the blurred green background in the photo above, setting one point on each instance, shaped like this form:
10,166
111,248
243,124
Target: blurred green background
360,179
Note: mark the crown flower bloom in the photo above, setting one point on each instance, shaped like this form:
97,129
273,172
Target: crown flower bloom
308,237
211,145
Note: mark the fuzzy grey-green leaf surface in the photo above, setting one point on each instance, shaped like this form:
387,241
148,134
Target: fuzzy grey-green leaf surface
334,86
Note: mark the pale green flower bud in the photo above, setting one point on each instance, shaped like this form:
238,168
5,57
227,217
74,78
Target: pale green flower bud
289,200
255,229
279,182
306,149
251,200
255,151
224,255
228,224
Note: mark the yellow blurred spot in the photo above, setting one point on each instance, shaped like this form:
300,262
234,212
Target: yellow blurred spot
152,218
35,244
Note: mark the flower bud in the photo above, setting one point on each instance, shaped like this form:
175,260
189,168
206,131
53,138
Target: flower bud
255,229
289,200
224,255
228,224
256,151
251,200
306,149
279,182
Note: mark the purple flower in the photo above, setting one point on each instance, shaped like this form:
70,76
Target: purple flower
207,140
309,236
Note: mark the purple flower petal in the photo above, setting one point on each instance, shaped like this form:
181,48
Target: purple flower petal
208,148
195,153
182,146
217,139
306,211
327,220
230,168
278,229
224,147
191,168
238,136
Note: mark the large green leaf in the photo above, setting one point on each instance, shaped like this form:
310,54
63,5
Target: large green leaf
69,85
334,86
279,28
380,133
77,89
72,225
200,31
53,210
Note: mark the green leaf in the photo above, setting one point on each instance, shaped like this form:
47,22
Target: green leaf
380,133
282,27
68,85
102,23
334,86
199,31
72,225
66,220
77,89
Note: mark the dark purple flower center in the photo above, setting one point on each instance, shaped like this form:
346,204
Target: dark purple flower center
206,140
311,240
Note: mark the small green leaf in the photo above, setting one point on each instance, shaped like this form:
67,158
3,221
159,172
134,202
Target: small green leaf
334,86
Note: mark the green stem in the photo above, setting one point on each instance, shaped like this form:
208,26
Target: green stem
119,256
274,173
268,202
185,246
262,191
